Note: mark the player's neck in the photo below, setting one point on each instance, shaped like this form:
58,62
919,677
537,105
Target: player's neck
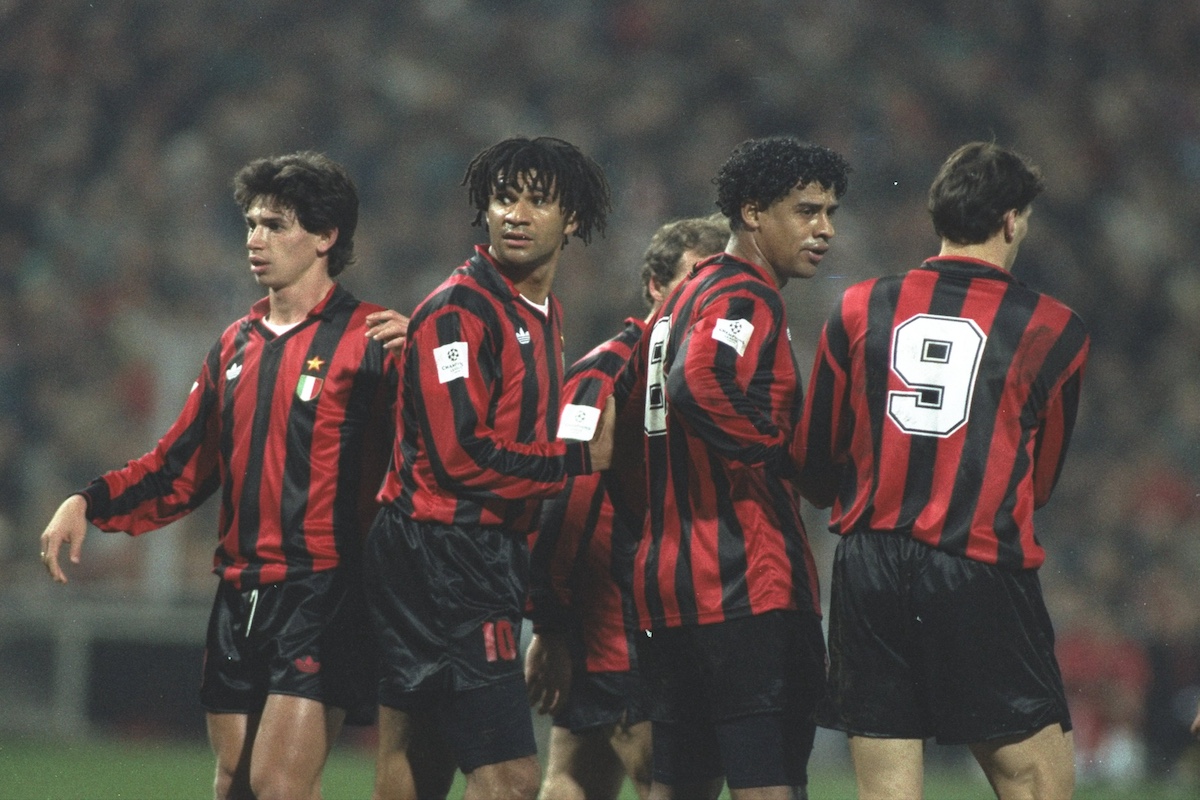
994,251
535,284
292,303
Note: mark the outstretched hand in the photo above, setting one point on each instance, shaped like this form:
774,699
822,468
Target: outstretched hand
389,327
69,524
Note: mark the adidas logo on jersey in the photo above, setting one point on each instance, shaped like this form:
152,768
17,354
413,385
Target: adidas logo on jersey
523,336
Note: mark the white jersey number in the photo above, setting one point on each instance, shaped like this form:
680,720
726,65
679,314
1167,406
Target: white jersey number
656,376
938,359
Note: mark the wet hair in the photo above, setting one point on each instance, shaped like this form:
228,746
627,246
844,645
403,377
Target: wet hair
704,235
315,188
976,186
556,167
764,170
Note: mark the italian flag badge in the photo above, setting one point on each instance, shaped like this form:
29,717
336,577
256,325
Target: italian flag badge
308,387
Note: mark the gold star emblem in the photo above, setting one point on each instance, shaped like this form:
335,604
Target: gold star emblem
315,363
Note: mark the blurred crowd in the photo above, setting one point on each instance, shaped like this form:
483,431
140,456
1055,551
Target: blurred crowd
121,258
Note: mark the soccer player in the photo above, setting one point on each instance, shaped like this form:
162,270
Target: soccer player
476,453
289,421
938,416
724,580
581,665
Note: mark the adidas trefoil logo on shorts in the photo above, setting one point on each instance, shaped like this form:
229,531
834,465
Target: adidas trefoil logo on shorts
308,665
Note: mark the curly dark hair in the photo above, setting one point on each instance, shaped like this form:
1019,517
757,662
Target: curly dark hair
705,235
976,186
764,170
317,189
558,168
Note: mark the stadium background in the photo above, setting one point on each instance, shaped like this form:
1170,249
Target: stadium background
121,259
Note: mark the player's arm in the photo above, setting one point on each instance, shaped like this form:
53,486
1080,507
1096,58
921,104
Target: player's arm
473,452
160,487
817,447
1054,434
709,384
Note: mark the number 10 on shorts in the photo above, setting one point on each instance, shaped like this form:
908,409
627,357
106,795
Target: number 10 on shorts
499,642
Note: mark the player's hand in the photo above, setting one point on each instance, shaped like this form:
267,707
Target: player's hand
548,672
69,525
600,448
389,327
1195,729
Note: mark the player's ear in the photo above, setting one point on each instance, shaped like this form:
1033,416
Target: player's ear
750,212
657,291
326,241
1010,225
571,226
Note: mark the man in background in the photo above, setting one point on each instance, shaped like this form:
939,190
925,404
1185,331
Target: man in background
581,665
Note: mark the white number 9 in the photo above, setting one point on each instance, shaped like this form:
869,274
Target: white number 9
938,359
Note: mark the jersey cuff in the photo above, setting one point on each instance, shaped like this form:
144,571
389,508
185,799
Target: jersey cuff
579,459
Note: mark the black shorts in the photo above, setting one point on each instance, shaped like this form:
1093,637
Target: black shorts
735,698
924,643
446,603
601,699
308,637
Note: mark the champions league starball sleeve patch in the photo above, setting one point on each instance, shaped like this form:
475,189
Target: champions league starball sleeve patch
734,332
578,422
451,360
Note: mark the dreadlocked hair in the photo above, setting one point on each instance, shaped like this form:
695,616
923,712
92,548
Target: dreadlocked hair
555,167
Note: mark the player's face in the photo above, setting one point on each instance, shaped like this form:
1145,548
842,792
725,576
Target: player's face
794,232
281,251
526,226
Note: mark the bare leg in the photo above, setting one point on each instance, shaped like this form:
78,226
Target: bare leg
632,745
516,779
581,767
888,769
1040,766
232,738
294,737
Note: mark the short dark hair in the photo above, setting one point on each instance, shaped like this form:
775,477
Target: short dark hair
764,170
557,167
315,188
705,235
976,186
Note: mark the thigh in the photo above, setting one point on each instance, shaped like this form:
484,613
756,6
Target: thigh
888,769
581,765
633,745
292,742
1039,765
231,736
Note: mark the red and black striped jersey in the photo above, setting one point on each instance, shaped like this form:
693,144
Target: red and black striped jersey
294,430
721,395
581,555
482,378
941,405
